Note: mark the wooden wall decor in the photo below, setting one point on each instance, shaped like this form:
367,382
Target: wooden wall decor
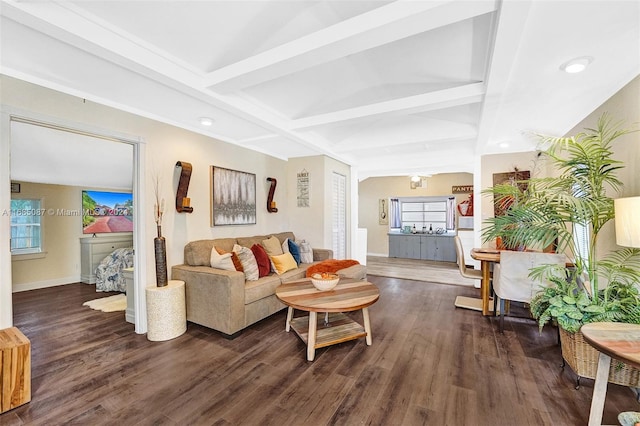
271,205
183,203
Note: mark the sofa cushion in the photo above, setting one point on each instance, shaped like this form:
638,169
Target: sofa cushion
294,250
221,261
250,241
234,258
262,258
283,263
248,261
294,274
198,253
306,252
272,246
261,288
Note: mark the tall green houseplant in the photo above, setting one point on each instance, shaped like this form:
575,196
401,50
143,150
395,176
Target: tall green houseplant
566,211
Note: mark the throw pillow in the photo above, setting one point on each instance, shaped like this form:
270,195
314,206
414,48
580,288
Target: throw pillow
306,252
285,246
294,250
221,261
234,258
283,263
249,263
262,259
272,246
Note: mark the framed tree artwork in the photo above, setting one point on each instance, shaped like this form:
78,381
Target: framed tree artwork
233,197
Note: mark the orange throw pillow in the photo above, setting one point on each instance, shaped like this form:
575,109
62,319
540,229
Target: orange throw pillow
234,257
331,266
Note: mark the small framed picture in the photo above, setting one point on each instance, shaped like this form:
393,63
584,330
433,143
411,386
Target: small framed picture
15,187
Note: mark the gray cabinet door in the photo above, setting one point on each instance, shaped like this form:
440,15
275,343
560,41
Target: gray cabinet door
446,250
429,248
413,247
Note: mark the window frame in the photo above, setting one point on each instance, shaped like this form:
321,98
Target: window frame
31,253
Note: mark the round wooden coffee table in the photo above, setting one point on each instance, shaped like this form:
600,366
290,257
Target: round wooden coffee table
348,295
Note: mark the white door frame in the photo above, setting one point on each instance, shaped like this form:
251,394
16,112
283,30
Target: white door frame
9,114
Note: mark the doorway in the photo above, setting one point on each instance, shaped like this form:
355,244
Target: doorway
52,152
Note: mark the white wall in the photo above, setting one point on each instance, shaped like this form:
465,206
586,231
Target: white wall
164,146
314,223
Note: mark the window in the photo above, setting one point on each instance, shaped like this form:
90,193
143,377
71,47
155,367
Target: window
26,226
424,213
339,213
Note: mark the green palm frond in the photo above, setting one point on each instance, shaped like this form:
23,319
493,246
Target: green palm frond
545,211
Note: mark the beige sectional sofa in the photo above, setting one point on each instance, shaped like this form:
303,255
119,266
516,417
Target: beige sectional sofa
223,300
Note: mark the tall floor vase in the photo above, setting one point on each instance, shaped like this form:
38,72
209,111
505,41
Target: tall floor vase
160,246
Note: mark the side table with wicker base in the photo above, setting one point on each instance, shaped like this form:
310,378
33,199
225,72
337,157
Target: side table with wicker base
166,311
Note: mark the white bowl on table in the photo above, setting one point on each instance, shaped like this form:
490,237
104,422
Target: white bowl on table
325,283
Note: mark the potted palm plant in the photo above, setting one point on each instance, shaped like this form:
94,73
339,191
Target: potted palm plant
568,211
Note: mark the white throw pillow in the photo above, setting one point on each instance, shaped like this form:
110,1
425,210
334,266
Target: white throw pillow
306,252
285,246
248,260
221,261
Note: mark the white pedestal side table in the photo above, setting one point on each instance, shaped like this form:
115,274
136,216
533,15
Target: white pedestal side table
166,311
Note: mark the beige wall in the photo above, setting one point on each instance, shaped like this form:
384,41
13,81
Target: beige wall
371,190
624,106
61,261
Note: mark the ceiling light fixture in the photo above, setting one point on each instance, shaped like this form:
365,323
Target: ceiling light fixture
504,145
576,65
206,121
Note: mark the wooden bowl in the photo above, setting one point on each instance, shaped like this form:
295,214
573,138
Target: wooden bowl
325,284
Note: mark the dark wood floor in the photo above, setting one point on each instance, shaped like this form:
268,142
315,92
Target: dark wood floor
430,364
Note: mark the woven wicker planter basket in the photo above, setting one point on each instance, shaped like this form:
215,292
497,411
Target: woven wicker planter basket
583,360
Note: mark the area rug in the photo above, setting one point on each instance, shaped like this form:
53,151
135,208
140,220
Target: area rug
108,304
417,270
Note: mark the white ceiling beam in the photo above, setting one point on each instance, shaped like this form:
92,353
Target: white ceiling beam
509,29
446,98
395,21
72,24
431,144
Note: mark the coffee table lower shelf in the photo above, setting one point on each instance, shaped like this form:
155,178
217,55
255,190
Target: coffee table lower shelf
341,328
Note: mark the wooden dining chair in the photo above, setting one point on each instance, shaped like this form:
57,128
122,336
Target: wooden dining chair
511,279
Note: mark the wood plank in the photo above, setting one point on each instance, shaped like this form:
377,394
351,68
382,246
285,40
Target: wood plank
342,329
430,364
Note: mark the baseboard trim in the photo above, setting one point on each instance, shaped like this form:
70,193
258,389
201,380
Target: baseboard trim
44,284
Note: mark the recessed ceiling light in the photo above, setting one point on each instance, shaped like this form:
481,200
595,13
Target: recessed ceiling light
206,121
504,145
576,65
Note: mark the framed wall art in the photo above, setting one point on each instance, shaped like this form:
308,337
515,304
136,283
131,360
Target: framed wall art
233,197
517,177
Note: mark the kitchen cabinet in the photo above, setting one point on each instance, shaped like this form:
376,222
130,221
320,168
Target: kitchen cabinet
422,246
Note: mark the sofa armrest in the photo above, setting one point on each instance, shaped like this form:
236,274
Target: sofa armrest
214,297
322,254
